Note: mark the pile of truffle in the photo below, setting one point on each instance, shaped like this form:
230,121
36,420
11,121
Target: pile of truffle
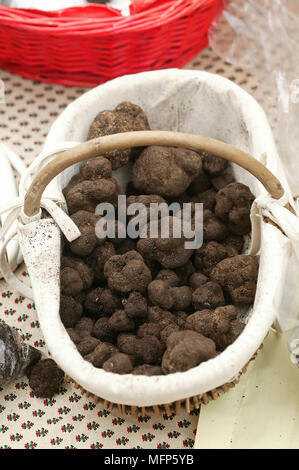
151,306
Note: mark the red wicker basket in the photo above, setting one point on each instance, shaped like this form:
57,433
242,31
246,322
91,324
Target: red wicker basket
90,45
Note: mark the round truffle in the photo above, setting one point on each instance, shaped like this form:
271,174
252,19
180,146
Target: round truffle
166,171
45,378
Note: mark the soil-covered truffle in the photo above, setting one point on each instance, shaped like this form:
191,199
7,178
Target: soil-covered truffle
222,180
75,275
84,327
75,337
97,259
16,357
170,251
207,198
160,316
209,295
119,363
103,330
87,345
161,294
166,171
70,311
152,329
237,276
213,165
87,194
93,184
233,204
185,271
167,331
148,305
186,349
197,280
135,305
147,369
101,354
85,244
45,378
210,254
120,321
147,350
169,276
213,227
102,301
146,200
127,272
126,117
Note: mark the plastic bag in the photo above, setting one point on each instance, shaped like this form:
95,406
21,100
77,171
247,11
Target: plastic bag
15,356
262,36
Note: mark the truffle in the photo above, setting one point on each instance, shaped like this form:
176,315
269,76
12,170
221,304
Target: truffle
211,323
84,327
97,259
233,204
119,363
197,280
147,369
167,331
126,117
75,337
200,184
135,305
147,349
101,302
169,251
120,321
161,294
213,227
186,349
209,255
184,272
213,165
100,354
70,311
87,345
238,276
223,180
127,272
70,281
16,357
146,200
168,276
87,194
85,244
103,330
166,171
207,198
209,295
152,329
160,316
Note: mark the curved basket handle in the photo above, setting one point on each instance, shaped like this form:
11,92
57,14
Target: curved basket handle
95,147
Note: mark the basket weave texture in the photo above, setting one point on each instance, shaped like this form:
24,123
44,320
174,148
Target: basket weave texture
90,45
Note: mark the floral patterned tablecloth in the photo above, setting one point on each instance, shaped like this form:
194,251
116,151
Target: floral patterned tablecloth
72,420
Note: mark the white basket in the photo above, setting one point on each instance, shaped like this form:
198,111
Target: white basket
189,101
